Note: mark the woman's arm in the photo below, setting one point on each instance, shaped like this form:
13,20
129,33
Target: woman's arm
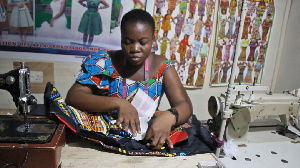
160,128
177,96
81,3
84,98
62,10
106,5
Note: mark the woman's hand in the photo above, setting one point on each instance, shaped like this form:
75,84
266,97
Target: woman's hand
51,22
159,130
128,116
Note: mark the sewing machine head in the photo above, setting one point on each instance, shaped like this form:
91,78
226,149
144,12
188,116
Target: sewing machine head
17,83
248,107
31,123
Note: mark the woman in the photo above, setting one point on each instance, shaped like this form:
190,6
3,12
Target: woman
163,43
109,84
189,25
166,23
58,23
184,43
91,23
20,17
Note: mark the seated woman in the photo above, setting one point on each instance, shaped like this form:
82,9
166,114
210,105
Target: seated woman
115,98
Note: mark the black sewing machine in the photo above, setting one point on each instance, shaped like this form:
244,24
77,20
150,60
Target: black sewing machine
31,137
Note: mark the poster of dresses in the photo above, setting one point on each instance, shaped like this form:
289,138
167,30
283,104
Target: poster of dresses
255,33
73,27
183,30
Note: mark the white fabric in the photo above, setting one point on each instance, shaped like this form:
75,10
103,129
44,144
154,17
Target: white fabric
230,148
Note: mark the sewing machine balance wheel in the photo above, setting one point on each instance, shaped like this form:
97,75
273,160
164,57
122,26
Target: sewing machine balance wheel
214,106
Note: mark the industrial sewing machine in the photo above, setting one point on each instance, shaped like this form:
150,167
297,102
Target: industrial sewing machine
30,137
245,110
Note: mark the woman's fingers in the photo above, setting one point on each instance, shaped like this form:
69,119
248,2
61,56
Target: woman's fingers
169,141
138,126
133,128
125,125
158,140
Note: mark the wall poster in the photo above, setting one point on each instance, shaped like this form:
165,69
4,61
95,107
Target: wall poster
61,26
183,33
255,34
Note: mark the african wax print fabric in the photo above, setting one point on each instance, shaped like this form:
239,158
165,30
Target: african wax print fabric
91,23
188,138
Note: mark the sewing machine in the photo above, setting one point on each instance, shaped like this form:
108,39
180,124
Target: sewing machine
30,137
245,109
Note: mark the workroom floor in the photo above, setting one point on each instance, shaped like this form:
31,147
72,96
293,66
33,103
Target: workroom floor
264,148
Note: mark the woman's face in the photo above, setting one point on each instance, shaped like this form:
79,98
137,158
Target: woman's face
136,42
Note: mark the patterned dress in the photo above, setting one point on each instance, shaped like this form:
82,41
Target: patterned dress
191,73
198,27
246,26
196,49
166,23
248,78
183,6
173,44
182,46
164,44
91,23
179,24
189,26
101,128
253,46
201,7
204,50
20,17
192,7
267,23
219,52
244,45
201,73
256,26
157,21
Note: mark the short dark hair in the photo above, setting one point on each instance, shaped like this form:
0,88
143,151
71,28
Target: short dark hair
137,15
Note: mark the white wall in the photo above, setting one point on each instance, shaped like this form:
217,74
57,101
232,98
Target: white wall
66,66
288,77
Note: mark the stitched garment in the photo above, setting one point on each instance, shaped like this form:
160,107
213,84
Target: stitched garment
91,22
101,128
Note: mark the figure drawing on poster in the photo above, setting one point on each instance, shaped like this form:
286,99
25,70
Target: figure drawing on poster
20,17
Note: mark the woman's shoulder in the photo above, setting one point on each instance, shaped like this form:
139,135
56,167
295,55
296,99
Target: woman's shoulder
99,63
163,63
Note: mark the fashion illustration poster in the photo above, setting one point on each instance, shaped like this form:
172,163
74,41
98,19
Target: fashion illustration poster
73,27
253,26
183,34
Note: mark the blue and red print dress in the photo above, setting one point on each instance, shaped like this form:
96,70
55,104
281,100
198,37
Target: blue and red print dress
97,69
